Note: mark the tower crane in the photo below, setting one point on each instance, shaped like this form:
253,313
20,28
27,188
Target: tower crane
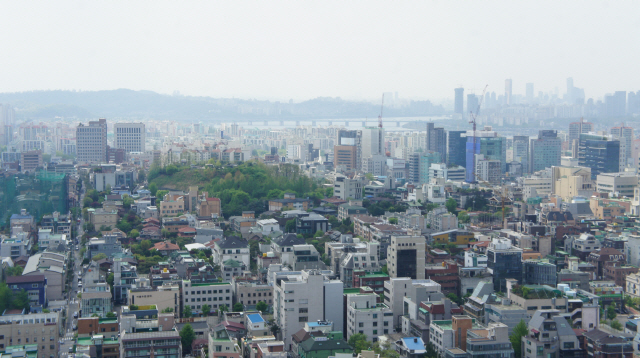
472,120
380,116
501,193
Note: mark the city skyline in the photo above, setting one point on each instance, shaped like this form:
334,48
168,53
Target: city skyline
306,51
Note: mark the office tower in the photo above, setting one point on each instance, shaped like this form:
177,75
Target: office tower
507,91
437,141
503,261
7,124
489,145
458,106
521,151
625,135
345,155
472,103
91,142
616,104
599,153
546,150
529,92
633,103
576,128
353,138
456,148
372,142
405,257
130,137
570,90
420,164
306,296
488,170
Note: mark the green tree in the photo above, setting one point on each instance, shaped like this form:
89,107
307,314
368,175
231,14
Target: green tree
111,315
615,324
223,309
273,327
359,342
186,313
127,201
14,271
168,310
385,269
99,256
134,233
611,312
393,221
21,300
318,233
519,331
262,306
454,298
160,195
108,189
187,335
238,307
206,309
463,217
290,226
451,205
153,188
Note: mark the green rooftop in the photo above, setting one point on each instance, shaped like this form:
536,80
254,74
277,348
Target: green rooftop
448,325
375,274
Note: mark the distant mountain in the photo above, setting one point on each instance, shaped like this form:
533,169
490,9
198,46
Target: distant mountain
124,103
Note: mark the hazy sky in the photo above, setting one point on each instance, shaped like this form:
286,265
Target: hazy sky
304,49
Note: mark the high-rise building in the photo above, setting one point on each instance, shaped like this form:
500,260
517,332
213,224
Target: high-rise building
458,106
488,170
7,124
503,261
405,256
345,155
456,148
472,103
372,142
489,145
437,141
546,150
508,91
576,128
601,153
633,103
420,164
129,136
521,151
306,296
625,135
91,142
529,92
616,104
354,138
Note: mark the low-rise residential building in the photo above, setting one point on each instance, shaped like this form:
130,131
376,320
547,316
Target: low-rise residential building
250,293
215,295
90,326
96,300
172,205
632,285
153,344
98,346
351,211
99,217
365,315
311,224
231,248
41,329
34,285
550,335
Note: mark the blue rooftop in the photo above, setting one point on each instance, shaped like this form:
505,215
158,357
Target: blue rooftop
255,318
413,343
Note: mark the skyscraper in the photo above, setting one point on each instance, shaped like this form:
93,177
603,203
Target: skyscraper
129,136
625,135
507,91
437,141
601,153
91,142
616,104
7,124
472,103
459,101
521,151
372,142
529,92
354,138
456,148
546,150
489,145
576,128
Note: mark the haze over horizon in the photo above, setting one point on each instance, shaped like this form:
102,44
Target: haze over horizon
303,50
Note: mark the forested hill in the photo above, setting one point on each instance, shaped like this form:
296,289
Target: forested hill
245,187
124,103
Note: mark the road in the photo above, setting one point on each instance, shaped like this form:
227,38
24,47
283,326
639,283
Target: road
73,302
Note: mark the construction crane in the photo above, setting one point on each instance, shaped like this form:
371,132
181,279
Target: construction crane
380,116
472,120
501,193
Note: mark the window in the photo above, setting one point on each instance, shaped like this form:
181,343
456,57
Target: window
568,345
375,315
303,319
303,310
375,331
360,324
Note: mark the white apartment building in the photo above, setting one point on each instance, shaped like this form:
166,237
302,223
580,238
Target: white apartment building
91,142
305,296
129,136
405,256
617,184
474,259
441,170
396,289
345,188
196,295
366,316
632,250
488,170
232,248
